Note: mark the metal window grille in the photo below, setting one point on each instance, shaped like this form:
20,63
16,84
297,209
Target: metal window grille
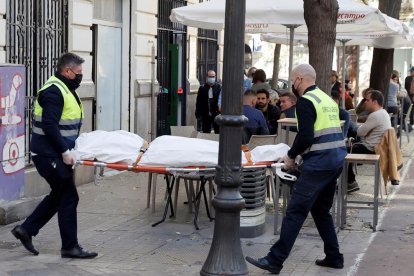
206,52
166,35
36,35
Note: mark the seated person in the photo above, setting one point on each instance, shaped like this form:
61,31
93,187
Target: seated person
343,114
392,100
371,132
257,124
288,107
361,110
270,112
259,81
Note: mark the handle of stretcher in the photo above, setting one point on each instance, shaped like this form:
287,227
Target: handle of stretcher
278,170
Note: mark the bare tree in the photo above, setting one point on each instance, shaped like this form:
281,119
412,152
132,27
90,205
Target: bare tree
382,60
320,18
275,75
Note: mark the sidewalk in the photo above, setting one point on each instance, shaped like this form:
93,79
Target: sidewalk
114,221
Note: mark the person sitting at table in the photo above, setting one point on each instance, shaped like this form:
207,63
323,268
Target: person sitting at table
370,132
257,124
287,105
288,108
270,112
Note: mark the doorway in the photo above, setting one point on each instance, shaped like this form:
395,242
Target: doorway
108,66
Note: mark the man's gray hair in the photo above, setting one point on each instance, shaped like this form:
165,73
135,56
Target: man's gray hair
69,60
305,71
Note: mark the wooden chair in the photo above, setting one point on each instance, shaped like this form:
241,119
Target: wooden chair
260,140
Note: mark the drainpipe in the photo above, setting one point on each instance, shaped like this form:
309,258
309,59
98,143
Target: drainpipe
153,94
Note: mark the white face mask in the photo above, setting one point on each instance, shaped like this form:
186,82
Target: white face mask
211,80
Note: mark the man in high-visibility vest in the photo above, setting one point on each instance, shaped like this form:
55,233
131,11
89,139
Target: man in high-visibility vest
58,114
320,142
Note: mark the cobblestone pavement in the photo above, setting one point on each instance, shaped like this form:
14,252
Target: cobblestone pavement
114,221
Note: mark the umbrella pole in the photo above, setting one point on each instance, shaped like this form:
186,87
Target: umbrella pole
343,41
291,37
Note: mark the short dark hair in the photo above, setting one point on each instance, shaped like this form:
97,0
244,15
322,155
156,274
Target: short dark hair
263,91
376,95
259,75
69,60
250,92
291,96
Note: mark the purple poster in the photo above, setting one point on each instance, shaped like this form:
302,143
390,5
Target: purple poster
12,136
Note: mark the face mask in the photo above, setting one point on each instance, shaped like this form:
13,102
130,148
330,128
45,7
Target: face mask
78,79
295,91
211,80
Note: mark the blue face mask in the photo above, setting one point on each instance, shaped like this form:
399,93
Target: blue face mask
211,80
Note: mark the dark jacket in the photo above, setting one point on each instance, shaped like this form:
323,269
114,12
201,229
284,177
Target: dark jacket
52,143
202,101
407,85
271,115
256,125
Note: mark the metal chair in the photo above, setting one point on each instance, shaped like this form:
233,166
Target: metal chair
260,140
183,131
208,136
405,122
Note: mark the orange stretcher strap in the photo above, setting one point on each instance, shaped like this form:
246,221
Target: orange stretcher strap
142,150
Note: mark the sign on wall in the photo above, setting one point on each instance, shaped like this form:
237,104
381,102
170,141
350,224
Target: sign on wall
12,134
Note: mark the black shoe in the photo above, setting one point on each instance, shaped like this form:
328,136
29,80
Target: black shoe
353,187
25,239
395,182
78,253
332,264
263,263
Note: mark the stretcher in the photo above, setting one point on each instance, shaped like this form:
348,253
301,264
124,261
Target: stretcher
170,156
204,174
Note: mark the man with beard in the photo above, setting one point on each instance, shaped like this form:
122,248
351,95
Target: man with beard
270,112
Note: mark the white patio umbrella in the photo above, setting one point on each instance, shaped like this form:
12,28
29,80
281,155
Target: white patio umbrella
265,16
384,41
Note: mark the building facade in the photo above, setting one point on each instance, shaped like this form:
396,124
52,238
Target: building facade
141,71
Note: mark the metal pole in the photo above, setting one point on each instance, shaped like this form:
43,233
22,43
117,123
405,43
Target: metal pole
226,256
291,37
343,72
153,106
292,34
343,41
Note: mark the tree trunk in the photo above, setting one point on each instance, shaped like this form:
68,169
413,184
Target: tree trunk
321,17
383,59
275,75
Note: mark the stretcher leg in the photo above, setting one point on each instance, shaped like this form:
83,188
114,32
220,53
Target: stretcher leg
154,191
149,189
169,204
201,191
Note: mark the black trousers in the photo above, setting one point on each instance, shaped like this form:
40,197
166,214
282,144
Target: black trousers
207,122
314,192
63,200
